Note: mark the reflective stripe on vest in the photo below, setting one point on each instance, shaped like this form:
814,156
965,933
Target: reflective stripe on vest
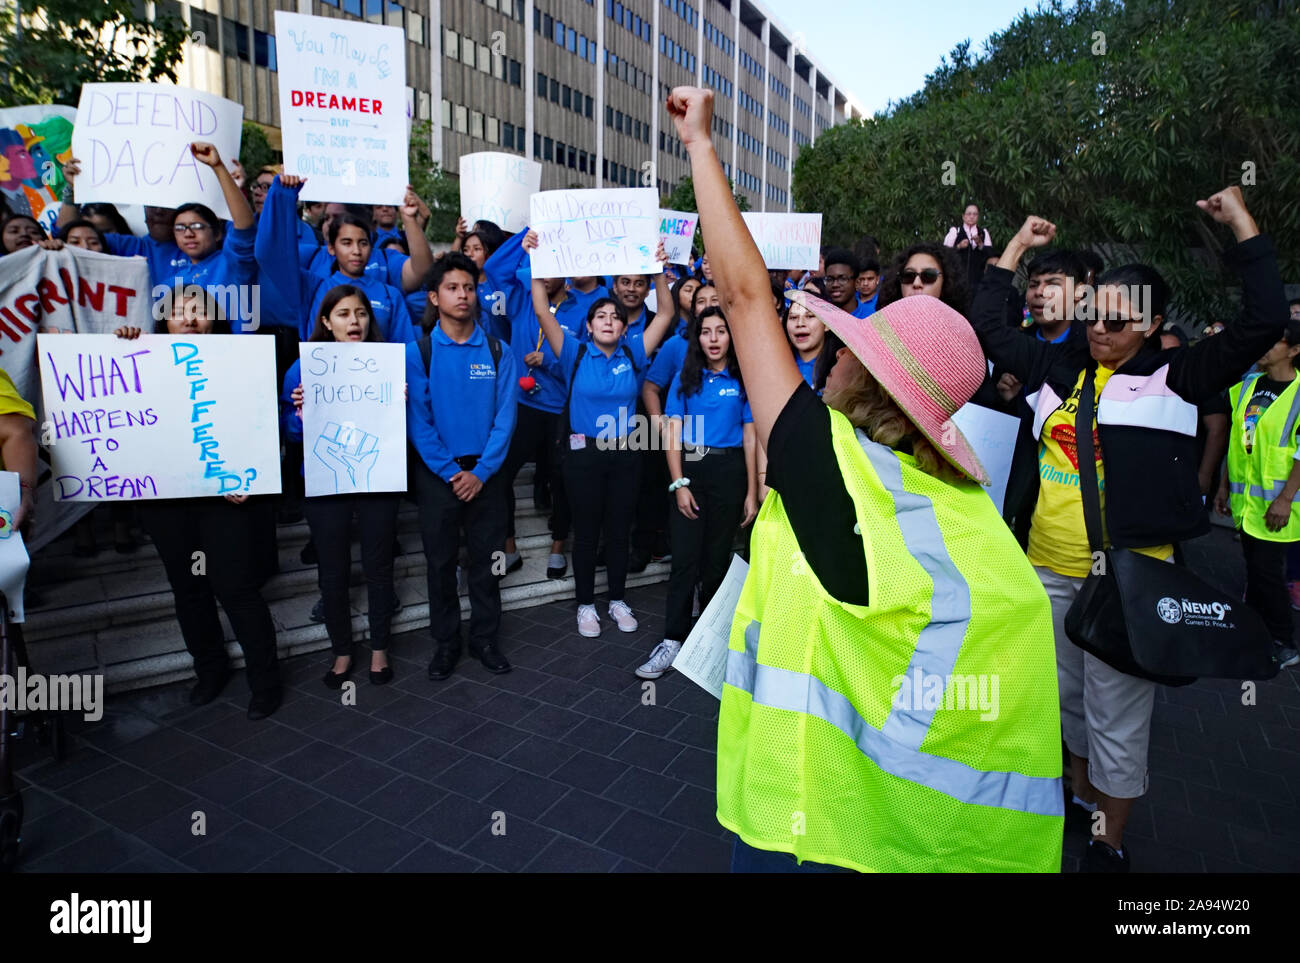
1239,488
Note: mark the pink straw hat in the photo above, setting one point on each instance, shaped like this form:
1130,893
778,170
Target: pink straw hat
926,357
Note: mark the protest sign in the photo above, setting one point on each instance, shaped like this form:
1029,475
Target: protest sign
703,656
786,241
13,553
134,140
162,416
35,141
585,232
993,436
353,417
342,117
496,187
677,229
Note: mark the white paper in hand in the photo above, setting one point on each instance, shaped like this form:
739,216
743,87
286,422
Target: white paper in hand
13,554
703,658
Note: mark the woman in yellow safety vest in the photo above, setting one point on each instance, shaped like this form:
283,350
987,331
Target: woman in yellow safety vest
890,698
1262,482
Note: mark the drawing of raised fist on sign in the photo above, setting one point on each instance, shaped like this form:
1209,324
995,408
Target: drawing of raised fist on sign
349,453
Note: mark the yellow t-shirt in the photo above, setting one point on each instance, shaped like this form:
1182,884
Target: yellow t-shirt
11,402
1058,538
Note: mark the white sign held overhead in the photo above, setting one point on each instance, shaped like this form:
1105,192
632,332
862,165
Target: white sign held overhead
160,416
343,107
133,141
786,241
602,232
677,229
496,187
353,417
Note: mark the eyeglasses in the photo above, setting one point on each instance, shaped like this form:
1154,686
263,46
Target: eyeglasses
928,275
1116,325
839,278
260,186
198,227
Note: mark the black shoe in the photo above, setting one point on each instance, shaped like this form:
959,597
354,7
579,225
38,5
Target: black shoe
1101,858
308,554
318,610
207,688
637,561
444,662
514,566
382,677
1077,819
491,658
334,680
264,704
557,571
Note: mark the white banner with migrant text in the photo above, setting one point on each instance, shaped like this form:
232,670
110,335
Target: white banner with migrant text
133,141
163,416
342,107
67,291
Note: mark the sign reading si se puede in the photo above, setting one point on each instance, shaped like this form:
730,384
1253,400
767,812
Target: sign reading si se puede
353,417
342,107
585,232
496,187
133,141
786,241
160,417
677,229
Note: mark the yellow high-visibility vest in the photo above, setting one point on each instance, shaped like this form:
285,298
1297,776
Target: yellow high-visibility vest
1257,477
918,733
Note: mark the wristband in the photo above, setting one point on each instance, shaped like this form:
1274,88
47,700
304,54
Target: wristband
680,483
68,195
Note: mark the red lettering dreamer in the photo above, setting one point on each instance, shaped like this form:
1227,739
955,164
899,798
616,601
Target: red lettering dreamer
318,98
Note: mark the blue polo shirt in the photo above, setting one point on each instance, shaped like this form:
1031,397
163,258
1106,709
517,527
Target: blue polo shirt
668,360
1063,336
464,405
387,305
605,389
807,370
716,415
572,311
867,308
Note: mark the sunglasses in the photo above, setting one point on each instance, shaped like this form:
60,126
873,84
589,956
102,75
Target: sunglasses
928,275
1116,325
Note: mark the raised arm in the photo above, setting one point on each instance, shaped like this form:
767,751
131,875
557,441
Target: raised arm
665,315
421,259
68,210
542,307
241,215
741,277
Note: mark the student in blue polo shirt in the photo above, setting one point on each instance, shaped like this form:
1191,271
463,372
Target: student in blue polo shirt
460,413
348,240
600,461
203,251
345,316
806,334
715,484
868,288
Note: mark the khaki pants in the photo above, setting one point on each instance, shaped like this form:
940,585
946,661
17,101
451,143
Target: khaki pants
1105,714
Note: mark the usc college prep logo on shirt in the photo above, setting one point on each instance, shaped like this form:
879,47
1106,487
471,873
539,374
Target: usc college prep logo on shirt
479,371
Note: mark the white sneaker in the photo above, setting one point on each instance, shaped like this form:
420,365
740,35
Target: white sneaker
588,621
661,660
620,613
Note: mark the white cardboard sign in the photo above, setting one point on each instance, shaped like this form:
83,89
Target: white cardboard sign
133,141
163,416
677,229
786,241
353,417
342,91
496,187
993,436
603,232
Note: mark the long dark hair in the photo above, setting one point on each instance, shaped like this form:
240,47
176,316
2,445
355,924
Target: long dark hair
109,211
209,217
955,291
680,283
82,222
18,217
320,332
620,312
337,223
692,376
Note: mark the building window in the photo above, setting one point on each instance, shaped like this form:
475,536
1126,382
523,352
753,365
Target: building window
555,91
548,149
446,114
516,70
417,28
587,107
462,119
566,97
206,25
559,153
491,130
264,49
508,134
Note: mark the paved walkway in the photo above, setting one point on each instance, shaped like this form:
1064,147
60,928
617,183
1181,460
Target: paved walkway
564,756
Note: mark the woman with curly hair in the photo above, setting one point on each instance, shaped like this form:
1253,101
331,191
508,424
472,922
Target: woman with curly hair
926,268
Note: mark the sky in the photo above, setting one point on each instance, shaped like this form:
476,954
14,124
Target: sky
881,50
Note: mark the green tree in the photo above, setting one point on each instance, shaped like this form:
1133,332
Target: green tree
683,199
435,186
254,150
1109,117
50,49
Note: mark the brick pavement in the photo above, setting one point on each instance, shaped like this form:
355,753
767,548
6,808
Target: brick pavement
587,777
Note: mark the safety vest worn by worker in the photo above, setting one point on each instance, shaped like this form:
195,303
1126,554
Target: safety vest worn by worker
918,733
1256,478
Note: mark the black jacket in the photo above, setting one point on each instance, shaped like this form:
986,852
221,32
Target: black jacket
1152,494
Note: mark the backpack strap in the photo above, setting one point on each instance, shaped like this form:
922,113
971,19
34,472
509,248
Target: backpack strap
426,354
494,346
1089,490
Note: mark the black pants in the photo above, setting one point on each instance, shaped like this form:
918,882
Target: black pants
653,501
602,488
330,519
1266,589
230,538
702,547
442,517
534,440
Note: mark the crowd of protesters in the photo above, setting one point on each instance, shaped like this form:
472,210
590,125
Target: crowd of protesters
801,410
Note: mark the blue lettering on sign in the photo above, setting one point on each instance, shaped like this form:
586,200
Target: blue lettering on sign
186,353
